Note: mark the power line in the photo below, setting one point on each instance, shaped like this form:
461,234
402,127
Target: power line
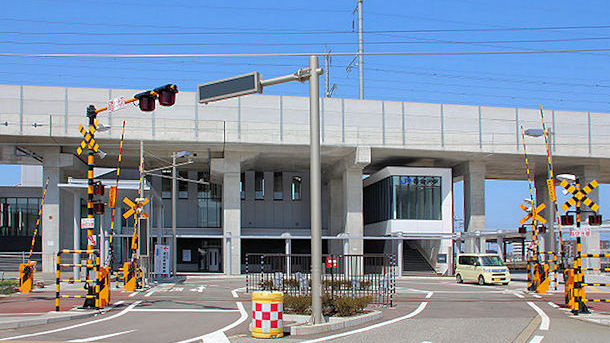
302,54
304,44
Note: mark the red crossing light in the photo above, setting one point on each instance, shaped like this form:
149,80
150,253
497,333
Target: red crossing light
147,101
167,94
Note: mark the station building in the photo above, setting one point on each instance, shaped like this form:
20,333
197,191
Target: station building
388,173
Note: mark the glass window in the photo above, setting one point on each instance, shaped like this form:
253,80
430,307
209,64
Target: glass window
166,184
403,197
209,202
18,216
296,187
242,186
278,187
183,186
259,185
492,261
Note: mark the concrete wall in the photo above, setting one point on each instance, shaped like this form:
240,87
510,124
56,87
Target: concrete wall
267,119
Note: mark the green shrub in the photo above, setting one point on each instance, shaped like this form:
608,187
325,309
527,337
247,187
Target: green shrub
297,304
291,283
346,306
9,286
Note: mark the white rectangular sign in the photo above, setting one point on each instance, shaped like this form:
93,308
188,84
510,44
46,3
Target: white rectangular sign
580,231
116,104
162,255
87,223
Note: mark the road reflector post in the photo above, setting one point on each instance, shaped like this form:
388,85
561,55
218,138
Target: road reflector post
103,278
568,292
26,276
267,314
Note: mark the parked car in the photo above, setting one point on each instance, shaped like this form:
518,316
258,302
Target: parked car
482,269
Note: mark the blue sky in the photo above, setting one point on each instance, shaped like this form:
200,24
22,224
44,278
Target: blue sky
572,81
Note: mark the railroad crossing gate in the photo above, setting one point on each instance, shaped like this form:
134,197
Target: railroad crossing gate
88,140
580,195
533,213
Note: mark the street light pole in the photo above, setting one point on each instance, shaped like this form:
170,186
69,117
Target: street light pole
174,190
316,190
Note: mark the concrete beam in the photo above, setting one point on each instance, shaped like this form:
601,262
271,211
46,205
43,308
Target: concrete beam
474,200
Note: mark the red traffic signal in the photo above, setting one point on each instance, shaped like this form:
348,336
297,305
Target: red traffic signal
146,100
567,220
98,188
595,220
98,207
522,229
167,94
541,229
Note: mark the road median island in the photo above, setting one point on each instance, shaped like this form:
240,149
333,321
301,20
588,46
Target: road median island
17,320
298,325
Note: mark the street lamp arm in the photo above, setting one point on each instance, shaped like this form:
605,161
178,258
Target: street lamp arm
301,75
166,167
179,178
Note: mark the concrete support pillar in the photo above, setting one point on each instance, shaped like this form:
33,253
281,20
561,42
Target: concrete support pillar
336,214
474,201
542,196
76,240
500,244
591,244
399,255
51,169
228,170
352,198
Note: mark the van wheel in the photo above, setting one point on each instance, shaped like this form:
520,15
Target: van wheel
458,278
505,283
481,280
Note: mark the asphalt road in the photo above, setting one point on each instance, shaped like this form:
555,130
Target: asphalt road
427,310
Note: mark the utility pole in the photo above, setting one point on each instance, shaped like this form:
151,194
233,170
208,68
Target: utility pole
316,193
360,52
174,191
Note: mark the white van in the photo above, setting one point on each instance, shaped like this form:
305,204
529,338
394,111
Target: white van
481,268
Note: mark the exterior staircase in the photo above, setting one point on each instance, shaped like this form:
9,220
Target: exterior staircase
414,263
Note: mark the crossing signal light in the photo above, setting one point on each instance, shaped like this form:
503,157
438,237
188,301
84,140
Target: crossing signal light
541,229
98,207
567,220
522,230
146,101
167,94
595,220
98,188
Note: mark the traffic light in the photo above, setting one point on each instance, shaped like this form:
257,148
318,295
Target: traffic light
98,207
167,94
522,230
98,188
595,220
567,220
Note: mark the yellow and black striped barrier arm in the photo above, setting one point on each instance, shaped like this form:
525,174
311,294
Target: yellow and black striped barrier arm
595,255
44,195
112,197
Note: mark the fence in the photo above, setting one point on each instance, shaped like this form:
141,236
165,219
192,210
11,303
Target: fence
342,275
10,261
584,284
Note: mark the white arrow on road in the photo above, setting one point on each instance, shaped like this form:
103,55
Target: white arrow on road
198,289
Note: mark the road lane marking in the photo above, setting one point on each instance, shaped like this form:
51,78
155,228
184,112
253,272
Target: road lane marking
219,332
149,294
97,338
127,309
216,337
206,310
119,303
553,304
517,295
544,324
536,296
536,339
429,295
234,292
199,289
417,311
133,294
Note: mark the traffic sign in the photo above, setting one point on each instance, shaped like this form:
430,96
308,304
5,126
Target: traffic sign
88,140
332,262
580,195
230,87
582,231
87,223
533,212
91,240
116,104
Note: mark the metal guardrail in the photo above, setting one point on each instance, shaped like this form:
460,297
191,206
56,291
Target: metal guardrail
10,261
343,275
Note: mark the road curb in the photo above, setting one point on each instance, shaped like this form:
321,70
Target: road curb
529,330
342,323
21,323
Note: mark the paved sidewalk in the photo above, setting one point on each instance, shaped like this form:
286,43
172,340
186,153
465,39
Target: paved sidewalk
19,320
